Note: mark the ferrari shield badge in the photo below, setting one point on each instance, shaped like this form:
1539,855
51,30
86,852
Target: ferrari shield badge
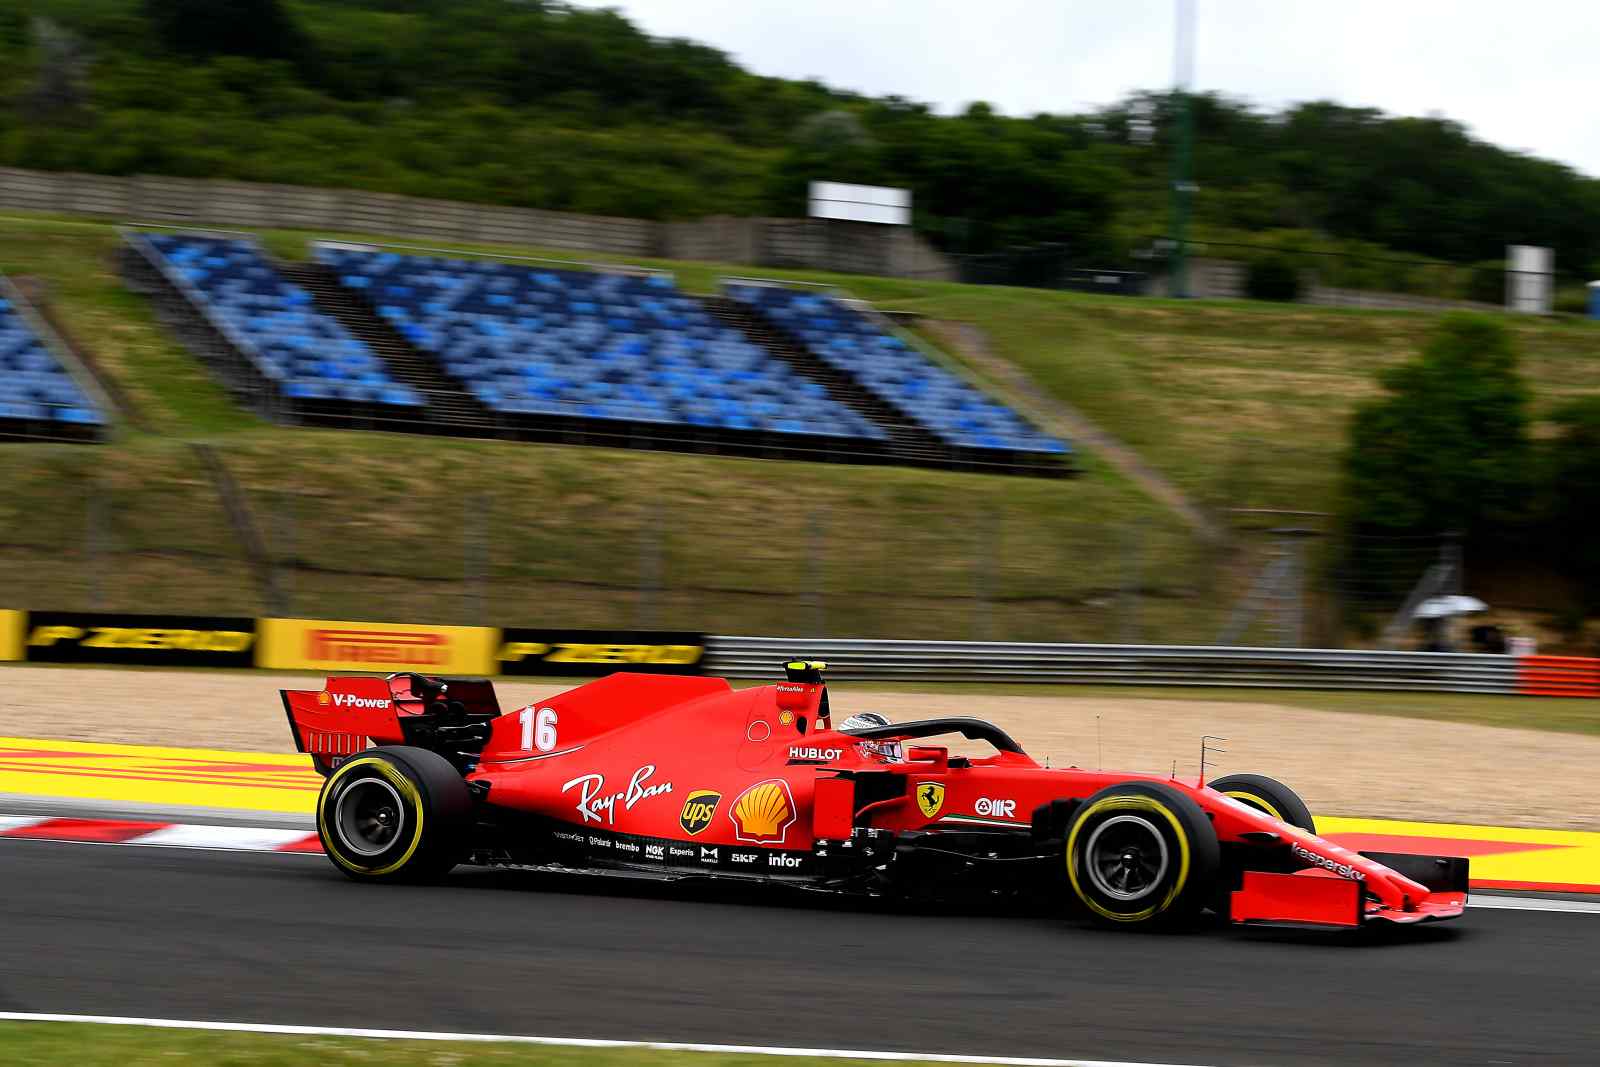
930,798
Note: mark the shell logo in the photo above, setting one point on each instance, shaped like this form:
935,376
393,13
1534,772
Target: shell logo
324,698
764,812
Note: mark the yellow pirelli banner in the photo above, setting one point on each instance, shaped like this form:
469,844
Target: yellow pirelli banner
12,626
382,647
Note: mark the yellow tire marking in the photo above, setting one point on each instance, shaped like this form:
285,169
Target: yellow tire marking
407,790
1255,801
1129,803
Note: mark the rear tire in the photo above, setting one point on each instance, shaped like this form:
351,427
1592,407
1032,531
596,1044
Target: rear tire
1265,794
1141,854
394,814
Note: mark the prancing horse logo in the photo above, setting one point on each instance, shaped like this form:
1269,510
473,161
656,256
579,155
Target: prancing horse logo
930,798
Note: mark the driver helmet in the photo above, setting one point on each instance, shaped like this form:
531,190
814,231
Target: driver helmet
863,720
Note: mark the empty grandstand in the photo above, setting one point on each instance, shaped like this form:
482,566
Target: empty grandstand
896,373
558,349
368,336
38,397
265,336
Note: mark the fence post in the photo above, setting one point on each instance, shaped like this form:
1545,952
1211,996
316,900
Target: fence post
1294,591
285,557
1292,617
815,534
983,559
650,534
1132,577
1450,556
474,559
94,505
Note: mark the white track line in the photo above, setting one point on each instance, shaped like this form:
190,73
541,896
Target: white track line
1569,907
237,838
140,844
127,810
577,1042
18,822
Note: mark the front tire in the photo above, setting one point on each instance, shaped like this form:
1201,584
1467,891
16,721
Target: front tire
394,814
1265,794
1141,854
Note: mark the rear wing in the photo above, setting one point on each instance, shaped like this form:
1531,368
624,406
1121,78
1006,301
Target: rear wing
342,718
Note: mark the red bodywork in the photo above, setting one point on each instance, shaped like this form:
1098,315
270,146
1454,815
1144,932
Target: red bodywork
696,764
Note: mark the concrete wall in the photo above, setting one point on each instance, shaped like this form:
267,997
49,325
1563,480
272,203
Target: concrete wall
1224,279
818,244
1209,279
1329,296
815,244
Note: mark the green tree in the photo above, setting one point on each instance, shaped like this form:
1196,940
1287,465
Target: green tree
61,78
1572,495
597,111
1446,446
263,29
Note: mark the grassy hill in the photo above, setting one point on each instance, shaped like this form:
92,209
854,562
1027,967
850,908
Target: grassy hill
1240,404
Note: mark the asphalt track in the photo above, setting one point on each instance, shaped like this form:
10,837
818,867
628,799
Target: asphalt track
262,938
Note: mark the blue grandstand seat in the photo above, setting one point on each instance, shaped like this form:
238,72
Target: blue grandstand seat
305,354
532,341
897,374
34,386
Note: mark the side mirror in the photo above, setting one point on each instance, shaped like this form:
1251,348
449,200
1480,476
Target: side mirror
938,755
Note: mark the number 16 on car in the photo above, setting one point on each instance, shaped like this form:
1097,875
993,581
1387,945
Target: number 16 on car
538,729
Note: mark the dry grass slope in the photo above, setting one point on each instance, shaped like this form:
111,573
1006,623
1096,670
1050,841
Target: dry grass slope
1238,404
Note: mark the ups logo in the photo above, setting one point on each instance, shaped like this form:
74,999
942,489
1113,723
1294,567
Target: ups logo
698,809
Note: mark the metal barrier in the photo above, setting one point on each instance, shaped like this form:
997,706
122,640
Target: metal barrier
1150,665
1559,676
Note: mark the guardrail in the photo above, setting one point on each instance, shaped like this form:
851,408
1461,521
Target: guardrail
1150,665
1559,676
380,647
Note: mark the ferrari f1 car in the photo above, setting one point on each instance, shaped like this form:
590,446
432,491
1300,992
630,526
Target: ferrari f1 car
673,777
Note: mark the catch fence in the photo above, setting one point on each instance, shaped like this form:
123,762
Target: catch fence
250,524
1222,271
1149,665
478,535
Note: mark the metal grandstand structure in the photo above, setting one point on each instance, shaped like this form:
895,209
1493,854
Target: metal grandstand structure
449,407
64,403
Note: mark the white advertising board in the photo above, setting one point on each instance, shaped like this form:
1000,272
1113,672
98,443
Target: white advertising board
1530,278
861,203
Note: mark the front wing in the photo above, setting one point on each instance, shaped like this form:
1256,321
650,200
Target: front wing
1317,897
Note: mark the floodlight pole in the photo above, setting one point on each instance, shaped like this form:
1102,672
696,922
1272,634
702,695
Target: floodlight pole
1183,137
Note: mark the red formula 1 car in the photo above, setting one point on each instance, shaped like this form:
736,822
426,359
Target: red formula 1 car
675,777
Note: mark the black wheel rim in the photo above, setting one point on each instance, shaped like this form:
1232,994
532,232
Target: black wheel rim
1126,858
369,816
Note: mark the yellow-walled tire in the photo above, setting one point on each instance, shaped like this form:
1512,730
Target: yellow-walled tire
396,814
1141,854
1265,794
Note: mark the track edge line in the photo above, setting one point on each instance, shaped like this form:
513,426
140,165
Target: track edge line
576,1042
